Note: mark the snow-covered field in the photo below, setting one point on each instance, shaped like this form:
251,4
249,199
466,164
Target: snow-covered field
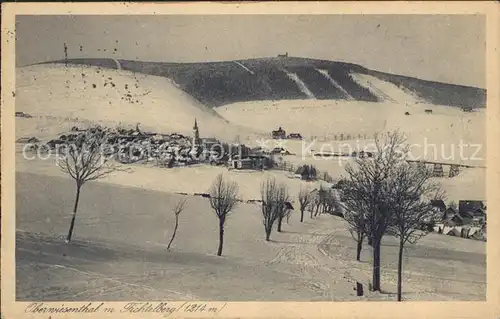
437,137
119,252
190,179
62,96
126,216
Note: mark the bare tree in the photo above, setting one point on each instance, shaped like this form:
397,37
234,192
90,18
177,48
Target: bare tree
273,197
410,193
316,202
326,201
330,203
85,160
305,198
367,190
355,214
319,203
355,218
281,205
356,228
267,192
288,214
179,207
327,177
223,198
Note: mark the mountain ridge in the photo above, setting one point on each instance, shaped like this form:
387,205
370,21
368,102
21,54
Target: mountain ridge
284,78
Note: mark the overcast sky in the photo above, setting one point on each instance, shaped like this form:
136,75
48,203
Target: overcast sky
446,48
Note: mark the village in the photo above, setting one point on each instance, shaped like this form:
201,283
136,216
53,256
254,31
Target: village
466,219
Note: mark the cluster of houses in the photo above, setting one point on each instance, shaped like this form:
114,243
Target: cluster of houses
168,150
468,220
132,146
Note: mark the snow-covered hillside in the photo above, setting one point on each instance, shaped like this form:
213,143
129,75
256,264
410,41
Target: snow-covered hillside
439,136
59,96
385,91
269,78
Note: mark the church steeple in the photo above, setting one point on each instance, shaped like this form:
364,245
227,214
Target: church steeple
196,134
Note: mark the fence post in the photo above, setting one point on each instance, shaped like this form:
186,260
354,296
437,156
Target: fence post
359,289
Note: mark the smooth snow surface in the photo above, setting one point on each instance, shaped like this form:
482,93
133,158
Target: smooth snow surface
77,93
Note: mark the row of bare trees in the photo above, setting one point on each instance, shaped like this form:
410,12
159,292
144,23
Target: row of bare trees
386,195
320,201
275,207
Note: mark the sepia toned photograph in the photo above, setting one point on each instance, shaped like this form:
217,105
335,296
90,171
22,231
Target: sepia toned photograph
257,157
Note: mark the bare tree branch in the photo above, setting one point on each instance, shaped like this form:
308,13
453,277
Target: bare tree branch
179,207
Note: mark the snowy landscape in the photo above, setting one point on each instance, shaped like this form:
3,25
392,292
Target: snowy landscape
150,225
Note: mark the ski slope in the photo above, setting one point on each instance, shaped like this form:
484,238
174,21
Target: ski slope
383,90
59,96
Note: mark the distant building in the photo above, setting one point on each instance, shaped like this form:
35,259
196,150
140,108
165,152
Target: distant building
438,170
296,136
471,205
252,161
438,205
279,133
452,218
261,161
28,140
473,210
244,163
209,142
283,55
